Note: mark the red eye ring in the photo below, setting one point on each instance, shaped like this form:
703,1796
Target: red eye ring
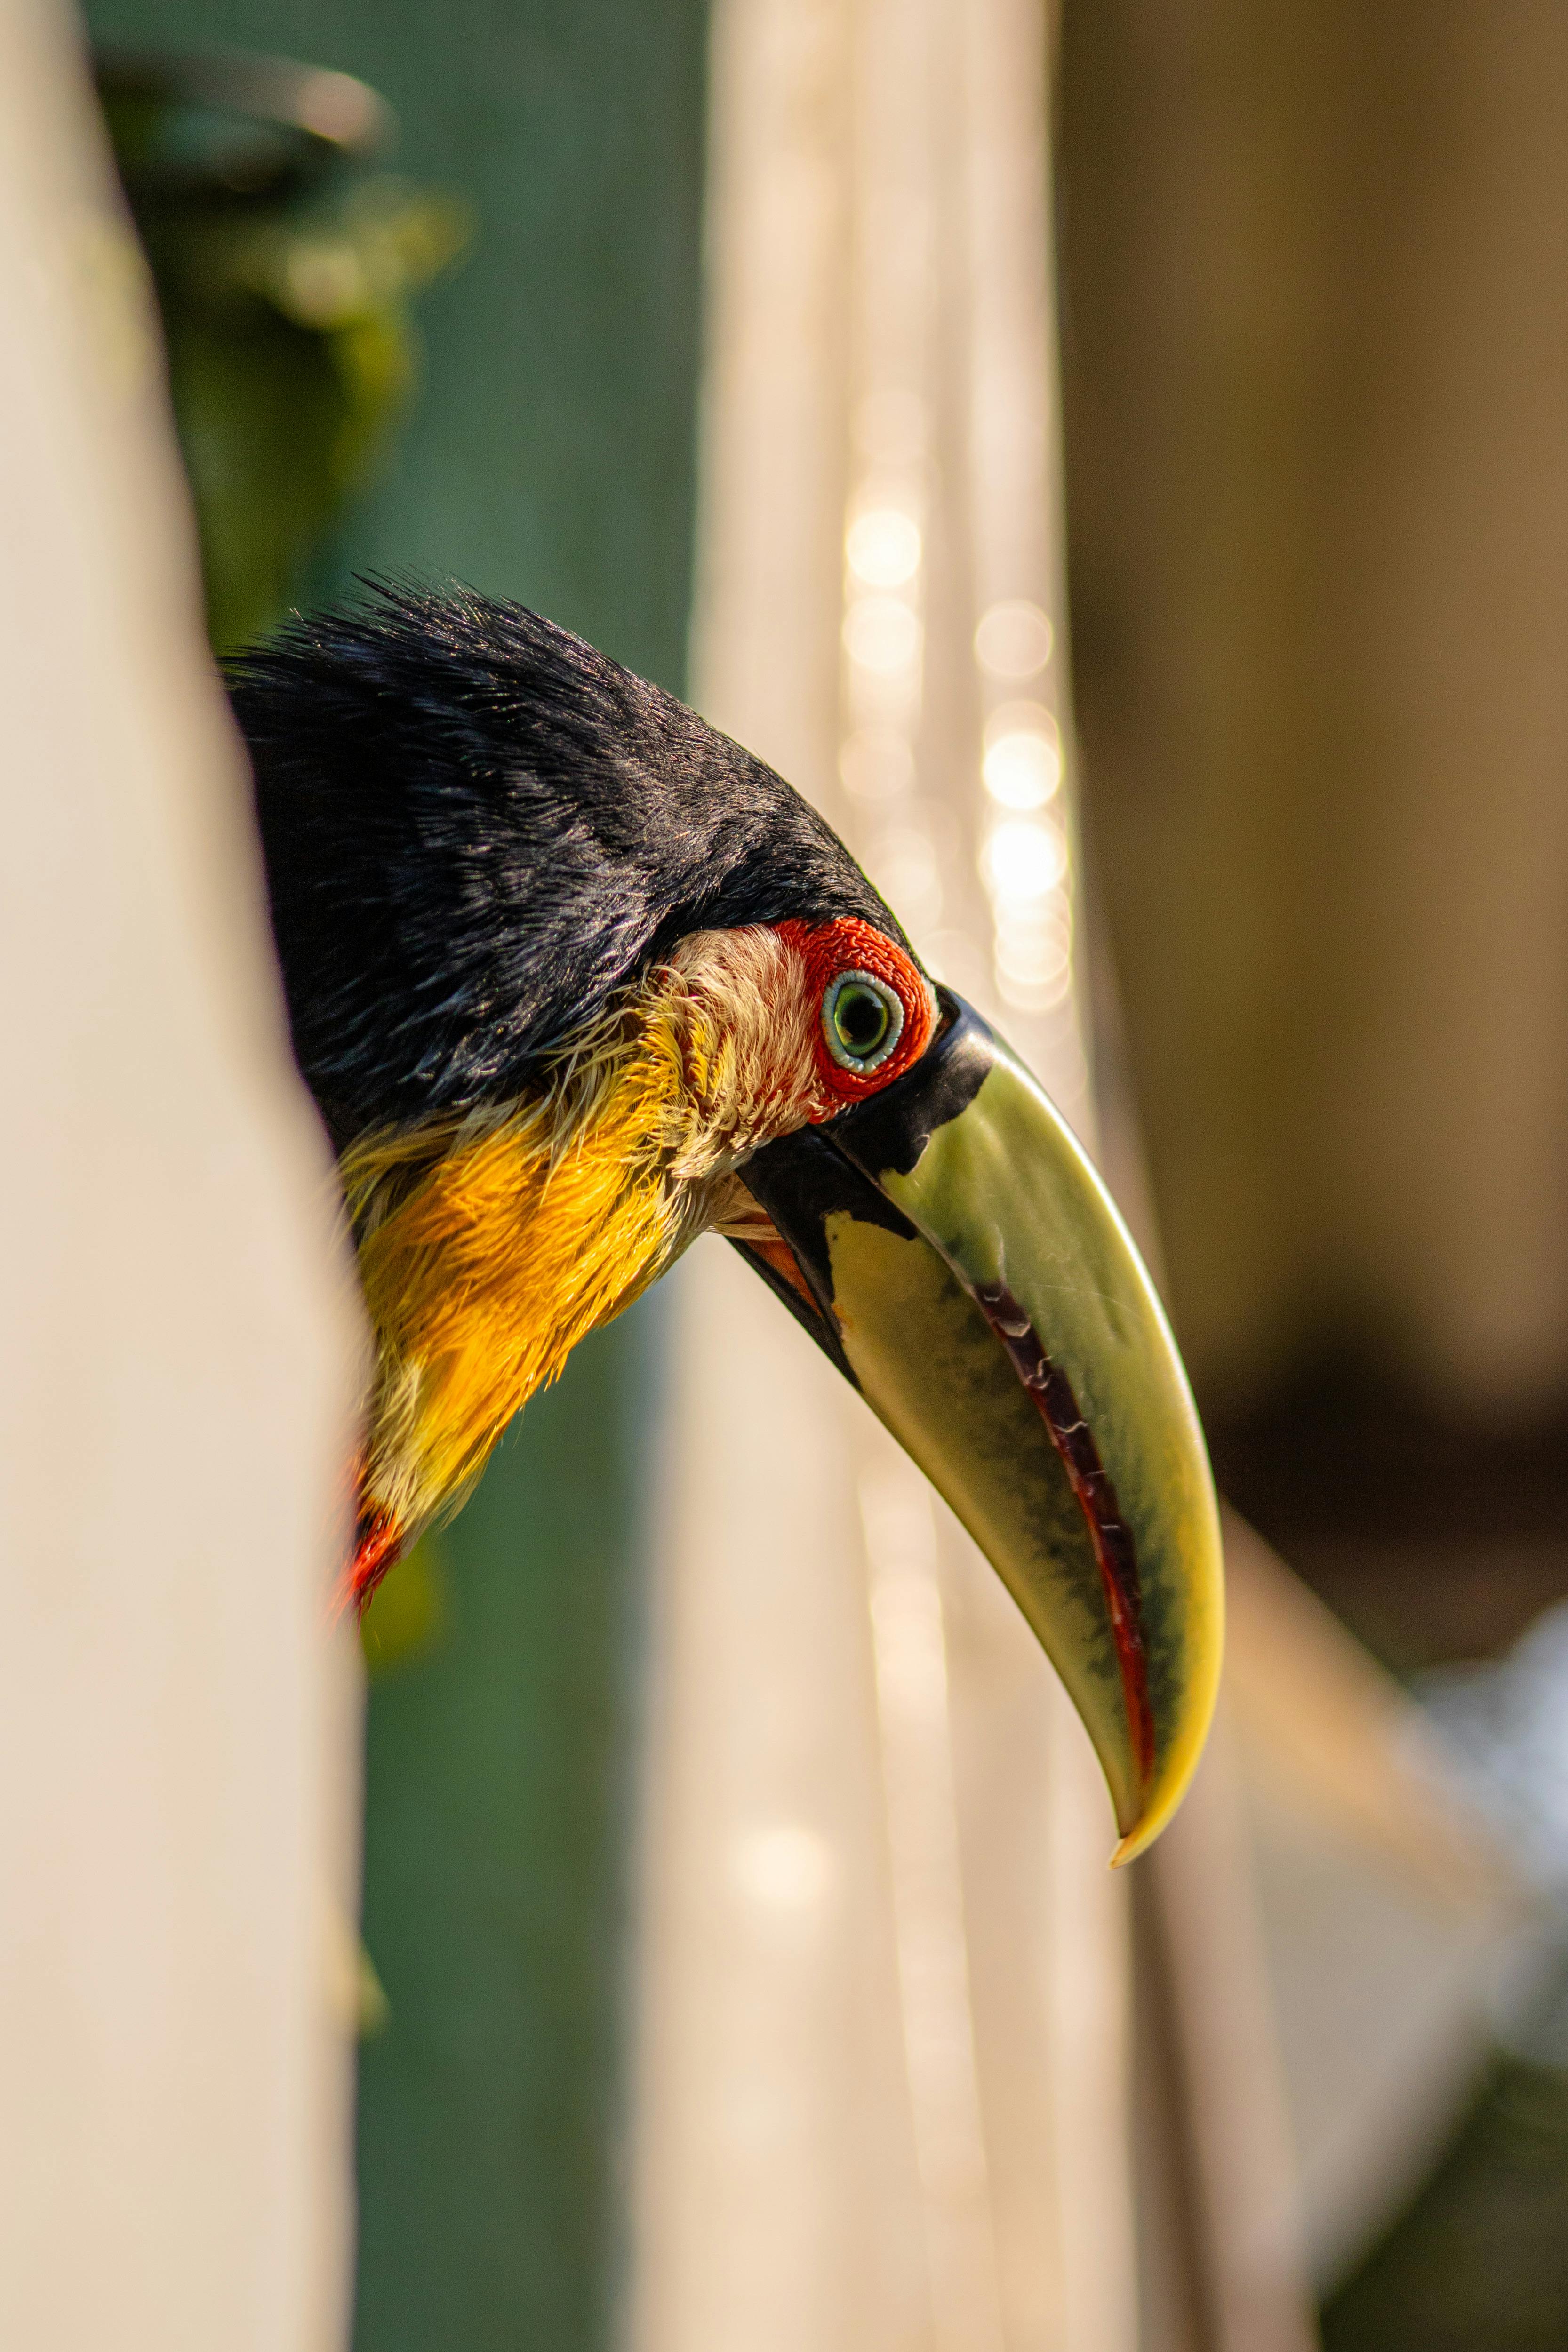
848,949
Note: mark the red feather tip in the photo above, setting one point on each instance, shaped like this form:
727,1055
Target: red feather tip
378,1545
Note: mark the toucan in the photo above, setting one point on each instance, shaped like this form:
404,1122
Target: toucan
573,978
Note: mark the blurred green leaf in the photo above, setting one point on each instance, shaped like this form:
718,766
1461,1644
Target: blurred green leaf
285,274
407,1617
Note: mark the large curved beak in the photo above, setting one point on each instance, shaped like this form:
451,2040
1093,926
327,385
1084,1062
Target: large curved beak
949,1245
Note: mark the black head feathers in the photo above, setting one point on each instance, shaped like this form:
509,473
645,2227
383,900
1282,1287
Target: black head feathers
476,828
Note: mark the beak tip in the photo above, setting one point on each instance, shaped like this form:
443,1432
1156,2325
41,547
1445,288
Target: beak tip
1141,1834
1170,1786
1137,1841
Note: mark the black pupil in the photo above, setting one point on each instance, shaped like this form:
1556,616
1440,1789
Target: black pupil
861,1019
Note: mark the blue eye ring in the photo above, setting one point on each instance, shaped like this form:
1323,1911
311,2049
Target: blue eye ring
862,1021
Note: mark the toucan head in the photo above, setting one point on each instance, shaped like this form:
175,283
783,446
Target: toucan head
573,978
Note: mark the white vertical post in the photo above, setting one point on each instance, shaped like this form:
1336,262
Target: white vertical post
776,2188
177,1372
884,1992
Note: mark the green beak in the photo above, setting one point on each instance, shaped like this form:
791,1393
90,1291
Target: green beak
951,1247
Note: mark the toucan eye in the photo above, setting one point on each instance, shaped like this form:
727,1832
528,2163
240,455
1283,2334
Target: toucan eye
862,1019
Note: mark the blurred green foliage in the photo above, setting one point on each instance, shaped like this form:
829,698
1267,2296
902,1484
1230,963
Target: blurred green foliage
408,1613
284,272
290,356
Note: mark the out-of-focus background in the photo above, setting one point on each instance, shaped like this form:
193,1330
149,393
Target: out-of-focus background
1315,351
1303,276
1314,361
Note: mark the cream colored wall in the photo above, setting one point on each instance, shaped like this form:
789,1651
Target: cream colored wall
1318,361
177,1358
